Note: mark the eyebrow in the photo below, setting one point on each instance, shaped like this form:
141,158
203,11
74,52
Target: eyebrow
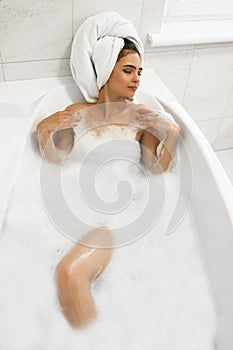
131,66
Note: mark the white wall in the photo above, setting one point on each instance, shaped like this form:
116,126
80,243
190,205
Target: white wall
201,78
35,40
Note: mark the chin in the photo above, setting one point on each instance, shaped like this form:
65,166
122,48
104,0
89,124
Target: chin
130,96
130,99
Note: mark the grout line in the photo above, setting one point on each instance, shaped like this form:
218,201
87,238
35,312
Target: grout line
140,22
169,49
3,73
227,163
208,120
230,153
224,150
217,132
214,45
228,101
72,18
39,60
188,75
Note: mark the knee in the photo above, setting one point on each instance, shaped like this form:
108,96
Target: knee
75,272
74,296
69,270
87,256
62,272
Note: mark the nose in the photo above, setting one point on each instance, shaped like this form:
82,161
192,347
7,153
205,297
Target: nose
136,77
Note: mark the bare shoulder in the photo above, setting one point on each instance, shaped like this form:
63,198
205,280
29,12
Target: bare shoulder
79,106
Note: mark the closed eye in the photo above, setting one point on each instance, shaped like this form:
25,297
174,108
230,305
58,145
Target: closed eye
127,71
130,71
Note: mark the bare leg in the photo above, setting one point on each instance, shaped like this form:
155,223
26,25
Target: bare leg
76,271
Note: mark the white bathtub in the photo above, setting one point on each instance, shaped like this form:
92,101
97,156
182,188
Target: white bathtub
206,197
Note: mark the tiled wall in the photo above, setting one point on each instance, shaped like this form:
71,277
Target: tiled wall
201,77
35,40
36,35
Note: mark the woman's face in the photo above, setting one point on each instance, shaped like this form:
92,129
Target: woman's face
125,77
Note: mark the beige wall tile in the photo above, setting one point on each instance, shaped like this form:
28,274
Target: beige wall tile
152,13
229,106
227,162
130,9
35,30
224,139
172,67
230,152
1,73
210,83
36,69
210,129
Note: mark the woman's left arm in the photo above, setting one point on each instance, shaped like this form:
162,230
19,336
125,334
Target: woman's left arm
153,120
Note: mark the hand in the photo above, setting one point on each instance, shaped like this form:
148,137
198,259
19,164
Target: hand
47,127
59,121
157,120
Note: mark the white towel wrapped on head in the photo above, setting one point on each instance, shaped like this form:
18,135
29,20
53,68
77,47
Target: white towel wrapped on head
95,49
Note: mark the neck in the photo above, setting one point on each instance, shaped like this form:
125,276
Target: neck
105,96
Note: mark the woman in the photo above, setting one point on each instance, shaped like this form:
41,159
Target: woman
122,84
56,134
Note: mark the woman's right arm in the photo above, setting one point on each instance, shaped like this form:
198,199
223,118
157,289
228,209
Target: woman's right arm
56,133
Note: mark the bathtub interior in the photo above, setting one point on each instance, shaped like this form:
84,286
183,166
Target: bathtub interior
178,269
13,124
211,194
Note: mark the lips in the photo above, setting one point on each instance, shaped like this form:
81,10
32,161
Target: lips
134,88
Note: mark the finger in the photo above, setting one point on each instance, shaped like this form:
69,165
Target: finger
148,123
61,113
69,124
156,120
76,117
144,110
64,127
70,119
149,119
67,114
148,115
